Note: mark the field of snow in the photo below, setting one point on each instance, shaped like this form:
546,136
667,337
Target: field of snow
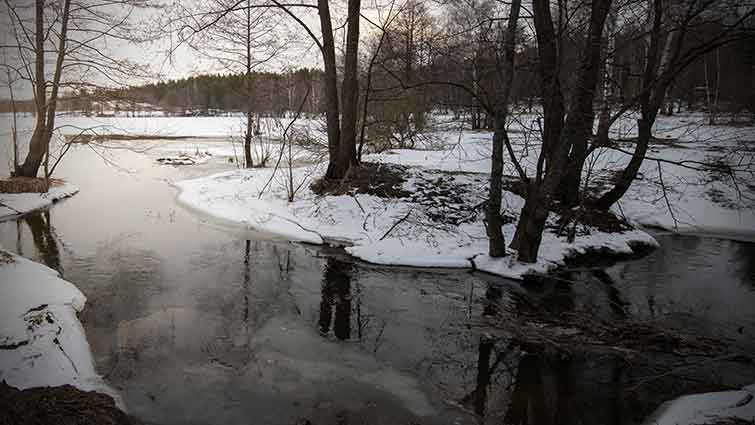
42,341
156,127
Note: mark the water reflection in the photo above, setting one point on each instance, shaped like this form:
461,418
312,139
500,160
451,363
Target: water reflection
46,246
335,304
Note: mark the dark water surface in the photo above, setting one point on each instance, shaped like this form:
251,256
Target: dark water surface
197,323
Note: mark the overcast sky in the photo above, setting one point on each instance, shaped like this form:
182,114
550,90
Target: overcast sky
185,61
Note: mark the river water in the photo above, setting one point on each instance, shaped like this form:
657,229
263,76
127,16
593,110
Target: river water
198,323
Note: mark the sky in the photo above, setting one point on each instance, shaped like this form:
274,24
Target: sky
163,55
184,61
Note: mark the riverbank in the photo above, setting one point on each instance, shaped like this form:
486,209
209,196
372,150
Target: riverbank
397,215
42,342
725,407
17,203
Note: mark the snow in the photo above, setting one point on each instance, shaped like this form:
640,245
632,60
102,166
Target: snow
706,408
394,231
700,201
12,204
232,197
43,342
156,127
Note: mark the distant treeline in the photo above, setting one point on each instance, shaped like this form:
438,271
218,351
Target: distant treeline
271,93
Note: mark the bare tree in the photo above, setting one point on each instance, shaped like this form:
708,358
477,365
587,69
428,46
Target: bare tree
341,129
674,43
73,36
559,135
496,240
239,42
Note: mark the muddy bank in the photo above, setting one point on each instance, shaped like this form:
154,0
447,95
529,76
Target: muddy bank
64,405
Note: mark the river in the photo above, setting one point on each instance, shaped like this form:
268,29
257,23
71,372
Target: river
195,322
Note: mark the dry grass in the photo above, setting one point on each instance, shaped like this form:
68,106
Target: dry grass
63,405
6,258
27,185
381,180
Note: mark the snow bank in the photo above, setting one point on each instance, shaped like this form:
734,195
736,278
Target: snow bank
12,204
425,229
43,343
233,197
707,408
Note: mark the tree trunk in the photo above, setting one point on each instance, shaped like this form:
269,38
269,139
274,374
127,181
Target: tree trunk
37,149
496,240
248,161
529,229
630,172
331,88
347,153
39,145
14,125
554,149
650,102
578,126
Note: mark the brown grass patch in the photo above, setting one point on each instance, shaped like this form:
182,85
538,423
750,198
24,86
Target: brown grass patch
382,180
27,185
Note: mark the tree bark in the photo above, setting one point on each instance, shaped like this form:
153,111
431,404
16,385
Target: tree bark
578,126
248,161
33,160
496,240
331,87
656,80
554,150
347,153
630,172
39,145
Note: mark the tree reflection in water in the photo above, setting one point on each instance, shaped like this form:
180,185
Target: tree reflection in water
335,305
43,235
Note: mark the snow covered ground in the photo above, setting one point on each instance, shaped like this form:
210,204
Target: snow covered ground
698,201
12,204
42,342
697,409
401,231
438,222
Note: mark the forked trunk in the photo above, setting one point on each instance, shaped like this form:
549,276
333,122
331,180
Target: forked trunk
40,142
346,153
578,126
